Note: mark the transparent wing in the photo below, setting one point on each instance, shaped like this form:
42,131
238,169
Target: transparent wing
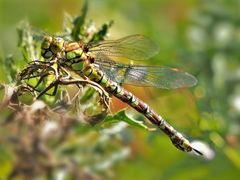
134,47
139,75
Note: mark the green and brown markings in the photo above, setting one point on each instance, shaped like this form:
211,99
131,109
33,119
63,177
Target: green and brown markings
97,63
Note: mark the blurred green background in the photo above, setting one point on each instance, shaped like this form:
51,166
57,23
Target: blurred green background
201,37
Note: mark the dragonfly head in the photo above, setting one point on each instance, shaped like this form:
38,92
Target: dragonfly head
51,46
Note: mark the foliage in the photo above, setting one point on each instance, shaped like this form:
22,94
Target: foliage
58,138
213,41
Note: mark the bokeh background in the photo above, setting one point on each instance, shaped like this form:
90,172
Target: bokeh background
201,37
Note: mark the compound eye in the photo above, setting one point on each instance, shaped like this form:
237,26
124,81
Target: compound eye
57,45
46,53
46,42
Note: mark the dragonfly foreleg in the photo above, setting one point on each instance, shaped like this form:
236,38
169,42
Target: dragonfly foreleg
41,79
50,86
68,75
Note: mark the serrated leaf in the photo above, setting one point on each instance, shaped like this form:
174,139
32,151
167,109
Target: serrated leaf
26,42
67,23
121,116
10,68
77,30
102,32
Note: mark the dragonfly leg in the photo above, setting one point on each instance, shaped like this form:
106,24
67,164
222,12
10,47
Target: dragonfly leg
41,79
32,71
68,75
51,85
42,75
40,62
47,68
26,88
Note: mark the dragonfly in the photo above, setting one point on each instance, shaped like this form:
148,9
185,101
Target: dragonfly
98,64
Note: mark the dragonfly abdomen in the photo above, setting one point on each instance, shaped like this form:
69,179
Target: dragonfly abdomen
96,75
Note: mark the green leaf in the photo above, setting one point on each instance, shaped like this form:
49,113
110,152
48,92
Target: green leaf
67,23
87,95
121,116
10,68
26,42
102,32
78,28
6,162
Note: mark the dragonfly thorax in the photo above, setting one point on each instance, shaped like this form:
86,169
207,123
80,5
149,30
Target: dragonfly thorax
76,52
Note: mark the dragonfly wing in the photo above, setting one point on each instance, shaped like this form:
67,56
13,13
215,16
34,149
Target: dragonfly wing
112,70
161,77
134,47
139,75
